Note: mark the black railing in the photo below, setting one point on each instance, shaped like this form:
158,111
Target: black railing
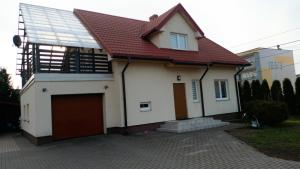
37,58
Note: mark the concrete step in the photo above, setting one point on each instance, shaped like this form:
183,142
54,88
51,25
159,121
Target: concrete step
180,126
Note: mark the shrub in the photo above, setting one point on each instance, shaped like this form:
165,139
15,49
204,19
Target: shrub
267,112
246,92
288,95
276,91
255,87
297,95
241,94
265,90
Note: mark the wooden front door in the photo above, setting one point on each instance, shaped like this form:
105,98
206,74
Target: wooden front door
180,101
76,115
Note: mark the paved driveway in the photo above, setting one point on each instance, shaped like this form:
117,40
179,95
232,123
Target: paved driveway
212,148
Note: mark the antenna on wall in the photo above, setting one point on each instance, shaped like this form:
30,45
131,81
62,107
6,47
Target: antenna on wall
17,40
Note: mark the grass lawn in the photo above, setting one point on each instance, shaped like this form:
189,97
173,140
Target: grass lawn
282,141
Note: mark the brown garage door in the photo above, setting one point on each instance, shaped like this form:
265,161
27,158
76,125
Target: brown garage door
76,115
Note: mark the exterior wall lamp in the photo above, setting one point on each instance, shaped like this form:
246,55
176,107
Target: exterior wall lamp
106,87
178,77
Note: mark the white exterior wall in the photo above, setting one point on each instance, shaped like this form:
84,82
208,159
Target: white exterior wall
28,120
212,106
41,115
145,81
154,82
176,24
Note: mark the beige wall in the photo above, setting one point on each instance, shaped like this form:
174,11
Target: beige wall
28,120
41,123
154,82
212,106
176,24
145,81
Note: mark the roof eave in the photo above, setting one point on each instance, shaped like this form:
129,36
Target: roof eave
231,63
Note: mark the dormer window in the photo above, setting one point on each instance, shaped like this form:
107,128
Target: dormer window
178,41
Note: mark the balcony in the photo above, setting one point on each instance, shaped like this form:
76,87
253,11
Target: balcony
37,58
55,41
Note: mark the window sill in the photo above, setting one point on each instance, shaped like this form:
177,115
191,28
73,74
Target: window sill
222,99
179,49
145,109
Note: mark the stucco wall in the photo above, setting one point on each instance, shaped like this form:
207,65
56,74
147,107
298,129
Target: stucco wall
212,106
176,24
28,124
42,115
154,82
145,81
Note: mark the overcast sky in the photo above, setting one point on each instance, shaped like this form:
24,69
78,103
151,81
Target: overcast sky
234,24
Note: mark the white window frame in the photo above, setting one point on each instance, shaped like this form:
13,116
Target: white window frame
23,116
145,109
195,83
220,89
27,115
177,35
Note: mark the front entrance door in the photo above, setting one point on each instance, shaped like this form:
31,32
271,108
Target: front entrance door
180,101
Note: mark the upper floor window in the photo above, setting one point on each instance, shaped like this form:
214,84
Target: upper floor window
178,41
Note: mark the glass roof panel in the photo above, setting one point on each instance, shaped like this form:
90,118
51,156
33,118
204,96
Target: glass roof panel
55,27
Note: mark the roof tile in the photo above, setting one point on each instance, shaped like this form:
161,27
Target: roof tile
120,37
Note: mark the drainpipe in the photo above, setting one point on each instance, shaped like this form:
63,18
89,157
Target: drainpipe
237,89
124,95
201,90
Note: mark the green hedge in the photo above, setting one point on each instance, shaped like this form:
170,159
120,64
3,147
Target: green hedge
269,113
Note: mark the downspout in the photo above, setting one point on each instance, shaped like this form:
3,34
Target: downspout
124,95
237,89
201,90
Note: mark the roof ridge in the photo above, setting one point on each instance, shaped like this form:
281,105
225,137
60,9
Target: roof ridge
111,15
155,25
122,39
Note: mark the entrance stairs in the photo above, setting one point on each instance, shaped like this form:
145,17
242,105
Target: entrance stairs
194,124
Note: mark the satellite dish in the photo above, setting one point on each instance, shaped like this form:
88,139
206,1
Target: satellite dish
17,40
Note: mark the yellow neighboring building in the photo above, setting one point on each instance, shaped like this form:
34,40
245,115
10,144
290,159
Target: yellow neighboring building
269,64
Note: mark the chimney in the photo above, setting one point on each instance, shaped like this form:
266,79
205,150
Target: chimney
153,17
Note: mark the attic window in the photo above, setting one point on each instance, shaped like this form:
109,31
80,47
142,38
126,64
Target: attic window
178,41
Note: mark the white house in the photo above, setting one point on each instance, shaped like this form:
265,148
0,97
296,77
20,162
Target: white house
89,73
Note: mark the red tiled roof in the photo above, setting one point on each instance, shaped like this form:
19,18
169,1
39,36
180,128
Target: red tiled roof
120,37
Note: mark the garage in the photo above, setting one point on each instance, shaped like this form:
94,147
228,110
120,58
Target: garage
76,115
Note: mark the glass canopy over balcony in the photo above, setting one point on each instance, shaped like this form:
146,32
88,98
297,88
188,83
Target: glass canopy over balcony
55,27
55,41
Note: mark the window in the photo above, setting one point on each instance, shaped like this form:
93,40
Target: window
195,93
178,41
221,89
145,106
24,113
27,113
